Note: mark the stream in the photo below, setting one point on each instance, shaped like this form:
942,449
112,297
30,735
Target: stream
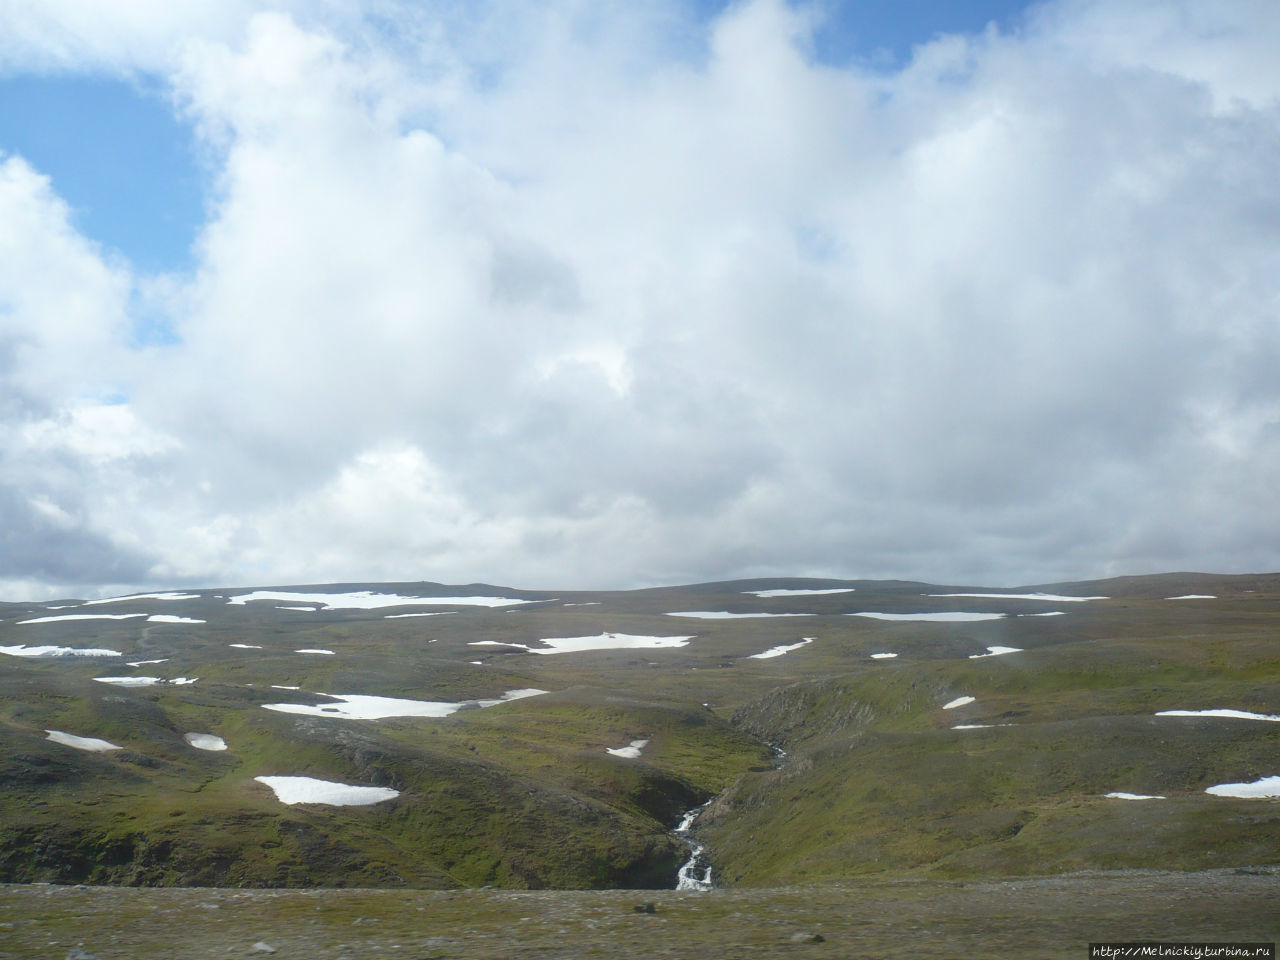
687,877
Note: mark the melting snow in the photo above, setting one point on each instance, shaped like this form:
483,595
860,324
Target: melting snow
309,790
1194,596
1235,714
143,663
169,618
245,646
1134,796
281,686
205,741
797,593
605,641
723,615
1021,596
995,652
22,650
80,743
144,596
327,653
957,702
363,707
436,613
883,656
978,726
368,600
779,651
940,617
85,616
630,752
131,681
1266,787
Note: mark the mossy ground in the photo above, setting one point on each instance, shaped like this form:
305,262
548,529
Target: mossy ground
523,795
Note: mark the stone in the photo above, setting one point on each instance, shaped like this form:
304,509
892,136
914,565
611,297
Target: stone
645,908
808,938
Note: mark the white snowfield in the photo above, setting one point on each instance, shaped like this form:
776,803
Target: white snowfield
883,656
725,615
131,681
954,617
1232,714
310,790
143,663
325,653
604,641
145,681
170,618
957,702
1258,789
357,706
629,752
205,741
80,743
433,613
995,652
245,646
144,596
85,616
1053,597
779,651
368,600
1134,796
1194,596
22,650
797,593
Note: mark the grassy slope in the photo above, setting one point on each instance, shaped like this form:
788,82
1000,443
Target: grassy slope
523,794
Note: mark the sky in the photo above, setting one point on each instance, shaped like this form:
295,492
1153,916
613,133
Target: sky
588,294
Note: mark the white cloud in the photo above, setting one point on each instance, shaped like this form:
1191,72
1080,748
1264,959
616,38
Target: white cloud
552,297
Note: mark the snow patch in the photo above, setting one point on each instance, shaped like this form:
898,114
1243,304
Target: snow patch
779,651
22,650
364,707
368,600
957,702
327,653
143,596
143,663
995,652
1234,714
605,641
957,617
724,615
170,618
84,616
309,790
131,681
1053,597
1266,787
630,752
797,593
80,743
883,656
245,646
434,613
205,741
979,726
1194,596
1133,796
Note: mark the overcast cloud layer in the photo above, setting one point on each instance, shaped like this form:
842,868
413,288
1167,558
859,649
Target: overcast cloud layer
554,298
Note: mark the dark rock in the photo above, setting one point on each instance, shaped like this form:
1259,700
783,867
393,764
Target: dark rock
645,908
808,938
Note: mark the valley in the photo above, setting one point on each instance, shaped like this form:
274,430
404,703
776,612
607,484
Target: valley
838,732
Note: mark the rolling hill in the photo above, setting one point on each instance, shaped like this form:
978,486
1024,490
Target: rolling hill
531,739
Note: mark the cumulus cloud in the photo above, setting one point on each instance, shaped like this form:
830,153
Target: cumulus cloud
559,298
